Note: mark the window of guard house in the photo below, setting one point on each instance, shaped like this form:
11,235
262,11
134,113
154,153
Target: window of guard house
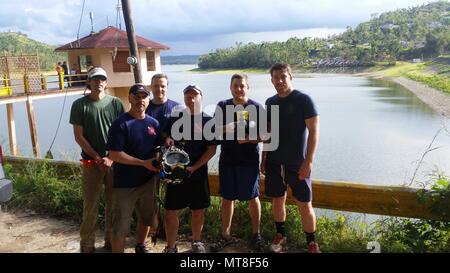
151,61
120,63
85,62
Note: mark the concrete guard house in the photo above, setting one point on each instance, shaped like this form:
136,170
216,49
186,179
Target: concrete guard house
109,49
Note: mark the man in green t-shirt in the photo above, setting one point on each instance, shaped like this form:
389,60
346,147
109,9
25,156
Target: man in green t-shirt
91,117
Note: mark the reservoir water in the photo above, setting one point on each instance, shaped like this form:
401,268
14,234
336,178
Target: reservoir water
372,131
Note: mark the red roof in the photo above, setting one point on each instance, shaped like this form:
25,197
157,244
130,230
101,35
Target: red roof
110,37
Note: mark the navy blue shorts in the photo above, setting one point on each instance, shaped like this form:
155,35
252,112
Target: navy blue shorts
190,193
278,177
239,182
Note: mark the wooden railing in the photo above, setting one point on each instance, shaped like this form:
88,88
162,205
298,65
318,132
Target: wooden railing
335,195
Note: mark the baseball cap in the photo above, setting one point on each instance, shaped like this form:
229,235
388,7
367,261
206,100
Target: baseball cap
196,88
138,88
97,72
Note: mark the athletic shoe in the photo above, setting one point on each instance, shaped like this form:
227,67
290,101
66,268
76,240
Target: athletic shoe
220,244
278,244
257,243
198,247
313,247
168,249
140,248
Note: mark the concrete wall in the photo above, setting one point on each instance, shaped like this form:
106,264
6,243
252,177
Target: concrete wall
103,58
122,94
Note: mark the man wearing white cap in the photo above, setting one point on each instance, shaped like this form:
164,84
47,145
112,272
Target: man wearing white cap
193,192
91,117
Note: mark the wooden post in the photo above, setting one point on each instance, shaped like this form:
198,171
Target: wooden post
43,82
132,40
11,129
31,119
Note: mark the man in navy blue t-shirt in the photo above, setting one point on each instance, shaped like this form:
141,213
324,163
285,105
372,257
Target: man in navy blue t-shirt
192,192
239,160
160,108
289,164
132,139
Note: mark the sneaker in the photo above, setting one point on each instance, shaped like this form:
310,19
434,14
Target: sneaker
313,247
87,249
278,244
140,248
223,242
168,249
257,243
107,246
198,247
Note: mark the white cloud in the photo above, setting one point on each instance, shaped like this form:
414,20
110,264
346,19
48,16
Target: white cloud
184,22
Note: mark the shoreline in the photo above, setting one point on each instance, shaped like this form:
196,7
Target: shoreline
435,99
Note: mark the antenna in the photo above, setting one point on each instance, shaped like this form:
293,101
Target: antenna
118,17
91,15
79,25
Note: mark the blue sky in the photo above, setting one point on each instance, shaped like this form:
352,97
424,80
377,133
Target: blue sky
195,26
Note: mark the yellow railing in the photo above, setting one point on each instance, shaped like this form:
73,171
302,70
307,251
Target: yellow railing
7,89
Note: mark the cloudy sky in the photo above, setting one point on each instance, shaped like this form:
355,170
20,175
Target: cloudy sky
195,26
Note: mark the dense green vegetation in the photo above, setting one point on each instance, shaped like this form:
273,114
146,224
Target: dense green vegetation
404,34
12,43
41,188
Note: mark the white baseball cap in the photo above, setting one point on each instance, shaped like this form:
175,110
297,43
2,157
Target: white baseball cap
97,71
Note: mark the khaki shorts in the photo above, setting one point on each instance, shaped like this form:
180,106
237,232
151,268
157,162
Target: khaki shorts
124,200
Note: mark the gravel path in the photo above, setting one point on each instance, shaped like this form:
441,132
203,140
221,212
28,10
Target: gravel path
29,232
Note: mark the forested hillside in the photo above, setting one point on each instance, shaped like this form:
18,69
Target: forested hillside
404,34
12,43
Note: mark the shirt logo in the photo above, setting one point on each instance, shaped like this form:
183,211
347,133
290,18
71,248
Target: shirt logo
151,131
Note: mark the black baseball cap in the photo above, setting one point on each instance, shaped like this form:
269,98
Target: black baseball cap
196,88
139,88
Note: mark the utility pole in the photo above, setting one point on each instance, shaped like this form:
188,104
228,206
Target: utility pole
134,59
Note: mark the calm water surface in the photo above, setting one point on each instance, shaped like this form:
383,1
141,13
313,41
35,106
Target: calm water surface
371,131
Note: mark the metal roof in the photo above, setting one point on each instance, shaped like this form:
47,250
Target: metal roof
110,37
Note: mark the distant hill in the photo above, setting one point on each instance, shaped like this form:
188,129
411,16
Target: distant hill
404,34
16,43
181,59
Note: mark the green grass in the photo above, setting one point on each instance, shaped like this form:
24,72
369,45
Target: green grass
420,72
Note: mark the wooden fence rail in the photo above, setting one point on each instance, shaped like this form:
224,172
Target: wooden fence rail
335,195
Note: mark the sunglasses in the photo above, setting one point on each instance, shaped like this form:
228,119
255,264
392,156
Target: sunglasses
101,78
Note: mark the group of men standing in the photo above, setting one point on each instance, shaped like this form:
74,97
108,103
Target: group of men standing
119,153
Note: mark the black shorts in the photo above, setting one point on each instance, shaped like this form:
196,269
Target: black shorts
278,177
193,194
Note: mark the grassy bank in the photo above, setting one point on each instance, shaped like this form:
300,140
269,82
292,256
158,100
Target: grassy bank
38,187
432,74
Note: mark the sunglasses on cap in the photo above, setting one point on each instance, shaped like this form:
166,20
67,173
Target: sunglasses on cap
101,78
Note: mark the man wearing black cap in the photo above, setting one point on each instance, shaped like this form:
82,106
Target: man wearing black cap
192,192
91,117
131,143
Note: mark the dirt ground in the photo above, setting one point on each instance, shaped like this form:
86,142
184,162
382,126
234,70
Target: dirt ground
29,232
